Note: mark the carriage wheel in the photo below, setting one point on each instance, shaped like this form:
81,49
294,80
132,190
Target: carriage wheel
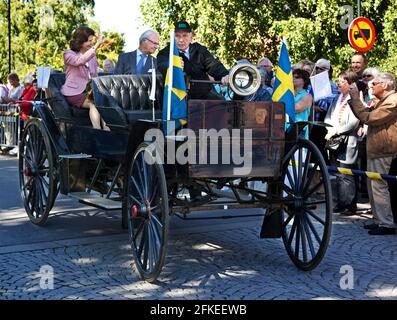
148,212
307,211
37,173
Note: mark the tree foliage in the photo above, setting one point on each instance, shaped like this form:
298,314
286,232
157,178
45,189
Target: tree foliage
41,31
234,29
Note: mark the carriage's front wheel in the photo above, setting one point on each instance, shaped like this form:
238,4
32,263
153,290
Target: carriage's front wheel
146,202
37,172
307,210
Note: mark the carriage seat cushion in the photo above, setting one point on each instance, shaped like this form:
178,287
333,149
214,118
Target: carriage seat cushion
128,95
61,108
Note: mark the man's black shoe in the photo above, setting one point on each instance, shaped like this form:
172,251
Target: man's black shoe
371,226
380,231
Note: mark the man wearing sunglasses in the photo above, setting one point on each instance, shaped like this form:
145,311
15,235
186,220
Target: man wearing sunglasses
381,146
140,61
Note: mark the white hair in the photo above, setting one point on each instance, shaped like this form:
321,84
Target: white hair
28,79
147,34
388,79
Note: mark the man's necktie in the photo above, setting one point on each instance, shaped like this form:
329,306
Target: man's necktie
141,64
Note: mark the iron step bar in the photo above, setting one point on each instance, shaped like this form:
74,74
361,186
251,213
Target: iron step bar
96,200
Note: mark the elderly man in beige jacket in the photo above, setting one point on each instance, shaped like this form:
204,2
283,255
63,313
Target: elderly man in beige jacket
381,146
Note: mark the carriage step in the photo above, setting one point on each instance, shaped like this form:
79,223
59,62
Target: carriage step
96,201
75,156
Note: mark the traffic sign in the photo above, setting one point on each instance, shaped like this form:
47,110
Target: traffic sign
362,34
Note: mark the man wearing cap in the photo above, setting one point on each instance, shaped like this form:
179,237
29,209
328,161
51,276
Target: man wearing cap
141,60
198,63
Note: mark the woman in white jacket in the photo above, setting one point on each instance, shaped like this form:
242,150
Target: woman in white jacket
344,123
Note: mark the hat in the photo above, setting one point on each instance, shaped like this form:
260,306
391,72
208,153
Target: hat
182,26
323,63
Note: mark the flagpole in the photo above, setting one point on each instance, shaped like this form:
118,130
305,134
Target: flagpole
171,71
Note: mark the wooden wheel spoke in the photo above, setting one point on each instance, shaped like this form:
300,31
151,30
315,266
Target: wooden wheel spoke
145,176
311,213
303,238
293,165
137,188
288,220
291,180
314,189
292,232
313,229
297,238
306,169
310,178
135,200
308,236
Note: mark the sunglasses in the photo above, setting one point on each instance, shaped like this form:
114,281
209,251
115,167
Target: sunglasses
376,83
367,76
321,68
297,76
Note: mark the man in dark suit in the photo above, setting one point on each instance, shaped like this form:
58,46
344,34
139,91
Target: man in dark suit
198,63
141,60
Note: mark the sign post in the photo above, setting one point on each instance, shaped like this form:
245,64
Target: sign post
362,34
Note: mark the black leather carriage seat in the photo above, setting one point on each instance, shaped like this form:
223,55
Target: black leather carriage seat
124,99
61,108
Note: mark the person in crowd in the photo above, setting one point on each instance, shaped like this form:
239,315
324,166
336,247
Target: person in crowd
321,106
109,66
344,123
264,93
265,63
306,65
198,63
141,60
358,64
14,88
381,147
80,66
25,102
368,75
303,100
3,92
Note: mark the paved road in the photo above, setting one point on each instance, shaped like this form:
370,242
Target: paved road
91,259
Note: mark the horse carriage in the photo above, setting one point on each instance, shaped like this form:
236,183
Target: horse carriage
124,169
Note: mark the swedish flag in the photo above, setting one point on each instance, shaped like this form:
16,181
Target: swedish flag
284,84
177,102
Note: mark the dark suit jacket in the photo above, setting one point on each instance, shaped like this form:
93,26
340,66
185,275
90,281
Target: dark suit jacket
201,64
126,63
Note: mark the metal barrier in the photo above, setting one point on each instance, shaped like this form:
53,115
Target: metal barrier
10,125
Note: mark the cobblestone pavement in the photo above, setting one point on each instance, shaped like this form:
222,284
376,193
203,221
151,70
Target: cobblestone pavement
91,259
229,263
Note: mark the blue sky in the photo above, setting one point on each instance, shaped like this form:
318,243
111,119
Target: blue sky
122,16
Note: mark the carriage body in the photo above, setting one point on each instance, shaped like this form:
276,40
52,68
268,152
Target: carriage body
109,170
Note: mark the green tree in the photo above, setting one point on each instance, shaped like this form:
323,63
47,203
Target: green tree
41,31
234,29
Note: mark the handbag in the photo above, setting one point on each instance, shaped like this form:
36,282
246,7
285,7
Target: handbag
337,144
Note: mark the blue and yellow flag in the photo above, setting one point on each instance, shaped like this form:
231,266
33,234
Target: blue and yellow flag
178,94
284,84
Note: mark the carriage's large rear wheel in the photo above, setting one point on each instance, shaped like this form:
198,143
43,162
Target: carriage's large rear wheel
37,173
307,210
146,202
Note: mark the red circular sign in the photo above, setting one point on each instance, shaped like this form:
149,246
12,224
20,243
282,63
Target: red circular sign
362,34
